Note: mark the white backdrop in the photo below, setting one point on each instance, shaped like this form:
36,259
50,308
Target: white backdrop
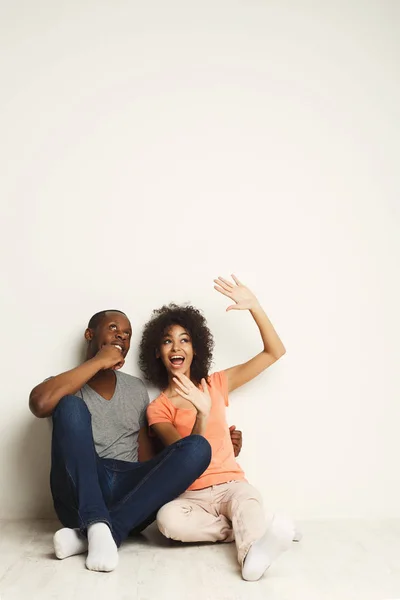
149,147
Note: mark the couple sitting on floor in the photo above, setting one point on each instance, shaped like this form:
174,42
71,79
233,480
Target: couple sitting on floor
107,482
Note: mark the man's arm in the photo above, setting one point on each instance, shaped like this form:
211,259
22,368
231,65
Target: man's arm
44,397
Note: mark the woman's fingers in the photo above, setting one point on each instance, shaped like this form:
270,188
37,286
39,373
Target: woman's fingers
222,291
233,307
224,283
181,393
204,384
182,386
236,280
185,380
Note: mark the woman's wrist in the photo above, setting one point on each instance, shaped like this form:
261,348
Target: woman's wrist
255,306
201,416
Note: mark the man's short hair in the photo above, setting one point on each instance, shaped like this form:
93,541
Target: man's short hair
98,317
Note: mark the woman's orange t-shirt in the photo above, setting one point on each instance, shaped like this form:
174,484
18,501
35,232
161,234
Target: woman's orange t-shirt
223,466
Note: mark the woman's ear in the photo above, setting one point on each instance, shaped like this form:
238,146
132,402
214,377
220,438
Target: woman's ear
158,353
88,335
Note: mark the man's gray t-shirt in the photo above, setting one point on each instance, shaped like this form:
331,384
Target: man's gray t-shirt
116,422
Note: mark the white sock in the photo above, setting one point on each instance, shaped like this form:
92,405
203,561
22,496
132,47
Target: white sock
103,551
68,542
264,551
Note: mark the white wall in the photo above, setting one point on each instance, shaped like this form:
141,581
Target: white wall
150,146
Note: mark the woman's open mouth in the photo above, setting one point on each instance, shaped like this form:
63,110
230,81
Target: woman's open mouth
176,360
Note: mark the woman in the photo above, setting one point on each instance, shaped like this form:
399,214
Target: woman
175,354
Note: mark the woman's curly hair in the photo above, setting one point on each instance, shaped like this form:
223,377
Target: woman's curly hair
191,319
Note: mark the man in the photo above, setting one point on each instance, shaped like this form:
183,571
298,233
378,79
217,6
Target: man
101,492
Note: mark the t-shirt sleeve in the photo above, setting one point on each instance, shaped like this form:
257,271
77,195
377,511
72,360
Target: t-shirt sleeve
145,404
220,381
158,412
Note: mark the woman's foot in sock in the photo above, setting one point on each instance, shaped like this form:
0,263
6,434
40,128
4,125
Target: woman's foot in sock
103,551
264,551
68,542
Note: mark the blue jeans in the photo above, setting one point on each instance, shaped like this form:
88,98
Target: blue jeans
88,489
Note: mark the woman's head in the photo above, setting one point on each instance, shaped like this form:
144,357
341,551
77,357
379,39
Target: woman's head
175,340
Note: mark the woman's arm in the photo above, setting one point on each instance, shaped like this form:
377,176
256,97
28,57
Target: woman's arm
168,433
200,399
273,347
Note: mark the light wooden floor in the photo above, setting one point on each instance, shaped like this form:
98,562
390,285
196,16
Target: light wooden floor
336,560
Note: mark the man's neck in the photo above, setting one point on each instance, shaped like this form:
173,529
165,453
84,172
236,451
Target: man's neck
104,376
104,383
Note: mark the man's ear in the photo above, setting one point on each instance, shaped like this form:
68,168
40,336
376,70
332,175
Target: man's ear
88,335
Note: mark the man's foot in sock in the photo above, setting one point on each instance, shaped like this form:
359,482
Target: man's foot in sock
264,551
103,551
68,542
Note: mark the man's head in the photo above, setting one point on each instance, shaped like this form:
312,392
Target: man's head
108,327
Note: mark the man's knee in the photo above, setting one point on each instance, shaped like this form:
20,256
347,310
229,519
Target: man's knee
71,409
199,449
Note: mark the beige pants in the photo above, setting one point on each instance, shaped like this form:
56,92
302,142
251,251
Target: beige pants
221,513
